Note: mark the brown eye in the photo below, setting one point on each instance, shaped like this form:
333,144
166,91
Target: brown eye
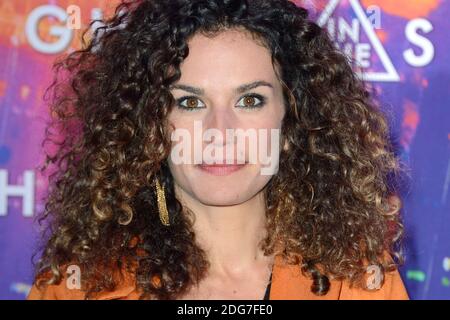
189,103
251,101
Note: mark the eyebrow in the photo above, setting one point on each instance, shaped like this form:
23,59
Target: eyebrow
241,89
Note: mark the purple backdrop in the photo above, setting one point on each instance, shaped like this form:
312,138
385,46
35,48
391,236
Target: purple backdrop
401,47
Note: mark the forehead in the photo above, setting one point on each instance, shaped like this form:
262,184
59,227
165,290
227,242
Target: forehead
230,58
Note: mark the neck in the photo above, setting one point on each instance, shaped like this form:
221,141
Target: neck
230,235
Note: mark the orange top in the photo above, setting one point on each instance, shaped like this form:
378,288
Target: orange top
288,283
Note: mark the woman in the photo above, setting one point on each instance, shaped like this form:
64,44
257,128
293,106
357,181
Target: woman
129,220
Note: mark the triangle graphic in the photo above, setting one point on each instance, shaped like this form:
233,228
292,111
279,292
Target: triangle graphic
391,73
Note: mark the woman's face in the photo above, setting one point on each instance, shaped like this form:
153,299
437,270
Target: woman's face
211,98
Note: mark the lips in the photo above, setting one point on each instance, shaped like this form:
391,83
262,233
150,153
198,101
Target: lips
221,169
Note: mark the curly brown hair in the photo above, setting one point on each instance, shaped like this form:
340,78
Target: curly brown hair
329,205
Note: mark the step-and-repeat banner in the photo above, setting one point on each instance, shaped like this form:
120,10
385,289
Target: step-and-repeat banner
401,47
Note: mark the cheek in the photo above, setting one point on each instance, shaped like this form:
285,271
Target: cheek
268,128
271,117
177,120
269,145
180,127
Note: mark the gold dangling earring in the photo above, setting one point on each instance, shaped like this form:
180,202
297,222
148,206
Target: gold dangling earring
162,206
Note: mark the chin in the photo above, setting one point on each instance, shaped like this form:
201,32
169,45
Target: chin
220,198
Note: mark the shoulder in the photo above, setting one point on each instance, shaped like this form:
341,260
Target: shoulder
69,288
289,283
389,288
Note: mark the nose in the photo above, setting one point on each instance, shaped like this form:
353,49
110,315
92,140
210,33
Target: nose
220,118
